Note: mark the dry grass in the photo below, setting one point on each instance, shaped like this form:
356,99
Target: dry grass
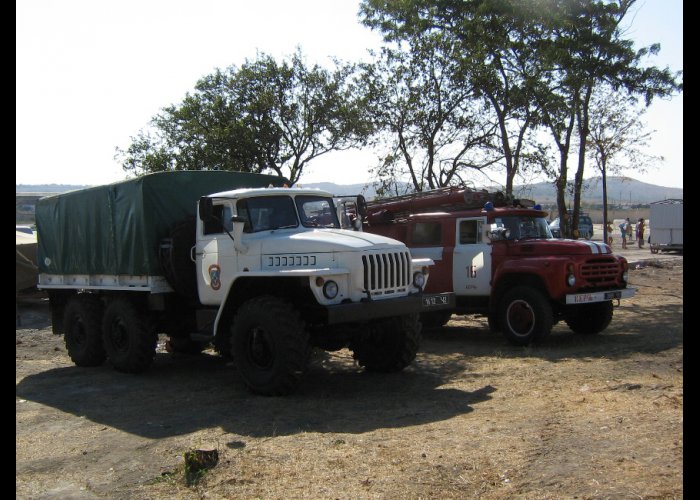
586,417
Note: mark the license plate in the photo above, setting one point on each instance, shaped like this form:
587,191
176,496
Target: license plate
435,300
613,295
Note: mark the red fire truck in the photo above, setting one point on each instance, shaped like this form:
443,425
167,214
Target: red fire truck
499,257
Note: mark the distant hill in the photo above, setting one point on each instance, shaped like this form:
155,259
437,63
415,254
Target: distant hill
621,190
46,188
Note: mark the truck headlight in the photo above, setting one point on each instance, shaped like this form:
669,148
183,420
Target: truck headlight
418,279
571,280
330,289
625,275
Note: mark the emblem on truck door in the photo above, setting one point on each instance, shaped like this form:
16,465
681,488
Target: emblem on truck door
215,276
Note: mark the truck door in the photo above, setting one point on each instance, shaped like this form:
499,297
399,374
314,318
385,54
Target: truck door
214,256
471,271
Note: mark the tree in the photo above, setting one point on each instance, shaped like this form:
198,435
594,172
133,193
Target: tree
582,48
264,116
617,139
491,50
425,115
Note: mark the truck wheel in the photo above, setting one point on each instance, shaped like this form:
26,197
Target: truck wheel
589,318
526,316
270,345
388,345
82,321
130,344
435,319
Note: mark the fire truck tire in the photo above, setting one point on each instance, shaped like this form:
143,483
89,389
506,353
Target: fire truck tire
129,342
270,345
589,319
525,316
388,345
82,321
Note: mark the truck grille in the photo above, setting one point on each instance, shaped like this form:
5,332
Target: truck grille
386,273
600,272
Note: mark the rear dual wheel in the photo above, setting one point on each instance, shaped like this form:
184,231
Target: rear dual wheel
129,343
82,323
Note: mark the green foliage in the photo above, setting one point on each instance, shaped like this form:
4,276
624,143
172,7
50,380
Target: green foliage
263,117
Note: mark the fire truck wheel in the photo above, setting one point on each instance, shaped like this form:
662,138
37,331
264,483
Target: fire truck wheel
388,345
589,318
270,345
82,321
526,316
129,342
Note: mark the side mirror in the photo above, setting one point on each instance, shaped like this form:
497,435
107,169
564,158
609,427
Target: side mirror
206,208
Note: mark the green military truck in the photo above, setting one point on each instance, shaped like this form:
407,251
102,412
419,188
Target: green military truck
237,260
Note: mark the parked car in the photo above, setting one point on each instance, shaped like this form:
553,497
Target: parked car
585,227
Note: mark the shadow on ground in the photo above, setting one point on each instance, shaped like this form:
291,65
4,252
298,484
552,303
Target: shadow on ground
182,394
650,330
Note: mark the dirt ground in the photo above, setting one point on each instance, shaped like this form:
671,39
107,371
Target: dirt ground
577,417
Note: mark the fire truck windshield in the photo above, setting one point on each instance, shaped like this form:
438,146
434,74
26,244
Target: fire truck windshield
522,227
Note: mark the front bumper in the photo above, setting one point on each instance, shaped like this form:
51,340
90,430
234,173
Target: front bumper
374,309
586,298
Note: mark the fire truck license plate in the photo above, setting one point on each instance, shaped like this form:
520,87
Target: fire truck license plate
435,300
613,295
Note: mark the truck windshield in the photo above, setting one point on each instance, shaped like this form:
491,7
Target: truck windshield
522,227
264,213
317,211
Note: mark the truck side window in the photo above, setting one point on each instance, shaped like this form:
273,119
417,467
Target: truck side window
469,232
221,219
427,233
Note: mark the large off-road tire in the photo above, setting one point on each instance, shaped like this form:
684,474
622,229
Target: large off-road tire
435,319
270,345
388,345
176,262
82,323
589,319
525,316
129,342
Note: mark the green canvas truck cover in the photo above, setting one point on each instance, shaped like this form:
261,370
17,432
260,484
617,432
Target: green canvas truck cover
116,229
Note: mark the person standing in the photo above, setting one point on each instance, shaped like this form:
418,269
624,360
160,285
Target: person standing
610,233
624,229
640,233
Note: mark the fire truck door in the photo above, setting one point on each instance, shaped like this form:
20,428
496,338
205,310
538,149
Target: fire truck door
471,270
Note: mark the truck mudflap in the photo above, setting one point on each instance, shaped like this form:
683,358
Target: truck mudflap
586,298
373,309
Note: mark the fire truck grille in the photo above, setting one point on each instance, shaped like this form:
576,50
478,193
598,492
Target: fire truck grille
386,273
600,272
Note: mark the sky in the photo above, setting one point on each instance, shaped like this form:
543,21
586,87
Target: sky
91,74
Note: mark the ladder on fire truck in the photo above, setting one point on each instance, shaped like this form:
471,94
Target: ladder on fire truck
446,199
